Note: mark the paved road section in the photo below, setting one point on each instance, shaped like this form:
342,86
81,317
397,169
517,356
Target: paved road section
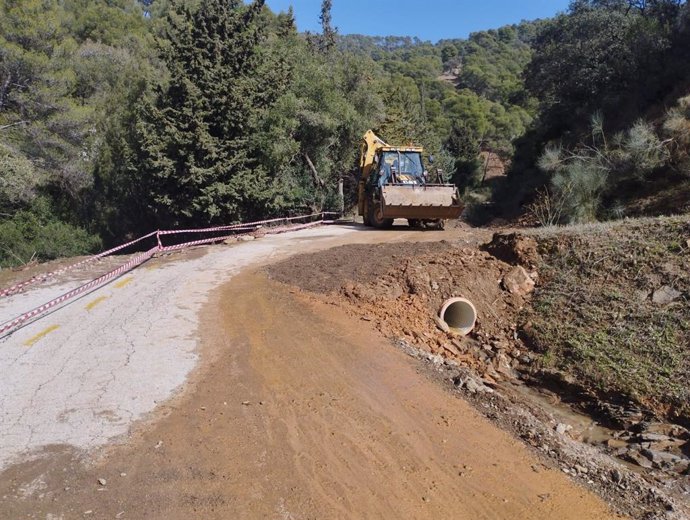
83,374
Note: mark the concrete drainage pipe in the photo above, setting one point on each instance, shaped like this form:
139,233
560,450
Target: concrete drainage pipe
460,315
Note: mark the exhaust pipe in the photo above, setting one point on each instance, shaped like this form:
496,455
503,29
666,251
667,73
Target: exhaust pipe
460,315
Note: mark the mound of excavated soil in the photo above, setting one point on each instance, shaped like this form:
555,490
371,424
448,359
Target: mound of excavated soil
401,288
327,271
514,248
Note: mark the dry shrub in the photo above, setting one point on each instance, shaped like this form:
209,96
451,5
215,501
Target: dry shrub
548,207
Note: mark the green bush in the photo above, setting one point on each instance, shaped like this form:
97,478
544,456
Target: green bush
637,152
578,181
18,179
582,182
677,129
32,235
583,176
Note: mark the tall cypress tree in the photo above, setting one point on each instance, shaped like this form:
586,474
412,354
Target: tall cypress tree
194,138
329,34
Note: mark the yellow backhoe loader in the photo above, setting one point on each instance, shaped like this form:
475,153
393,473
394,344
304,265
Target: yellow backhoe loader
394,184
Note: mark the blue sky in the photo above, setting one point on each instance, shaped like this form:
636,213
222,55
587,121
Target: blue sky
427,19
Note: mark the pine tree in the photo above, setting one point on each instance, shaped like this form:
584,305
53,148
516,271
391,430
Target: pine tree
325,42
195,137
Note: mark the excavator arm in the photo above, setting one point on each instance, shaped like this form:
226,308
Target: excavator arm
371,143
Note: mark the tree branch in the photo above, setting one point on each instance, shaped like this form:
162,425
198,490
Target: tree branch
314,172
5,127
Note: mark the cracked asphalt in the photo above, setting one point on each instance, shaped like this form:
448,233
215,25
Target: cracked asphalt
85,373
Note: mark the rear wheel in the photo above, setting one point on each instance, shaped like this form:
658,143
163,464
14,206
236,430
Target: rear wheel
376,217
367,222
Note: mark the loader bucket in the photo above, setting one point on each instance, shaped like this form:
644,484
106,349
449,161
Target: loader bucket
414,201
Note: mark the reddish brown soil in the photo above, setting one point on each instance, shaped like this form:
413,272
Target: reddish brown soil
401,288
326,271
301,413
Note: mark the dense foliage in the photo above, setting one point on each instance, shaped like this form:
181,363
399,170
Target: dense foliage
605,73
121,116
61,65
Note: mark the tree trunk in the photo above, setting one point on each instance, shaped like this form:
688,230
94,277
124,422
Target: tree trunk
341,194
319,182
486,166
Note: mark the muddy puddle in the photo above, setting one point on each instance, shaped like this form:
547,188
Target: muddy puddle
580,426
577,425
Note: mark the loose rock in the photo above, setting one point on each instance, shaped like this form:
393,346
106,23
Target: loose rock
562,429
518,282
442,325
637,458
665,295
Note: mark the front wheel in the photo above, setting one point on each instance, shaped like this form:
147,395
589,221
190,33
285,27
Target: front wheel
376,217
439,224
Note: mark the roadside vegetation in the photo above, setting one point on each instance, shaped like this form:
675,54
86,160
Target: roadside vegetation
612,81
612,308
118,117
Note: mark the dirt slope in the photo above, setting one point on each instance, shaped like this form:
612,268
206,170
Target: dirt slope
621,295
302,413
400,292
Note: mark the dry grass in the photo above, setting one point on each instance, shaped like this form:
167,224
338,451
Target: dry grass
593,314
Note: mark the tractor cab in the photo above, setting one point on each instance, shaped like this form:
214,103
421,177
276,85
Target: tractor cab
400,167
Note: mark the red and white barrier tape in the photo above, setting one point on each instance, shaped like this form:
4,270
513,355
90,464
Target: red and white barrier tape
248,226
137,260
287,229
195,243
42,277
140,259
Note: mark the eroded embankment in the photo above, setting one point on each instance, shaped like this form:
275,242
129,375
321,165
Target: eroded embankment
400,291
613,310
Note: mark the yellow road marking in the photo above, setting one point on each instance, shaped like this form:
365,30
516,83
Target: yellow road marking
91,305
32,341
124,282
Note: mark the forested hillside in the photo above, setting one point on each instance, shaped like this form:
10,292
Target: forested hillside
611,139
123,116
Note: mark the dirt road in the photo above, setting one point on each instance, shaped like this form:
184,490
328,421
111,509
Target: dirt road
296,411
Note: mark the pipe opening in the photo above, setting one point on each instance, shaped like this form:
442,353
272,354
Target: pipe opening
460,315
